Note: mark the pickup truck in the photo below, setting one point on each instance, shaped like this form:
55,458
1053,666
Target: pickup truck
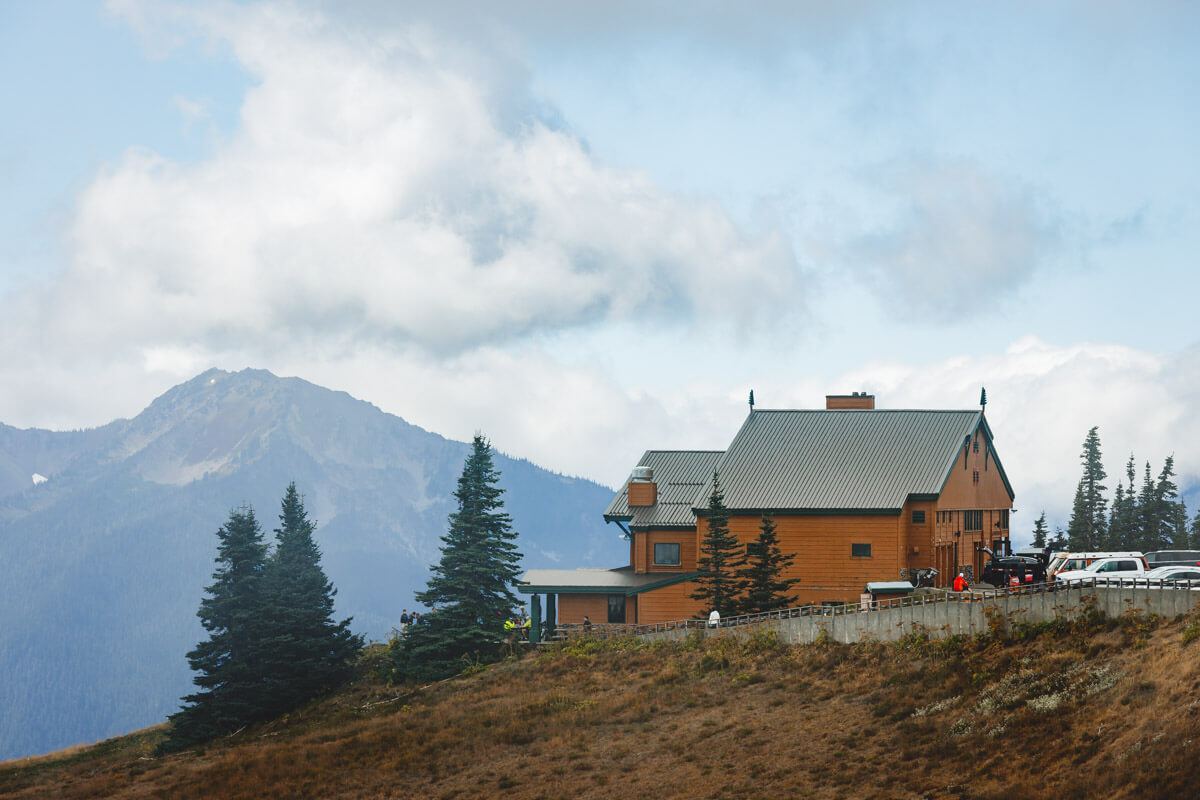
1104,568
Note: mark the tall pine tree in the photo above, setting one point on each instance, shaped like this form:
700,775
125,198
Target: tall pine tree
766,588
719,585
1123,528
308,652
1040,532
469,587
231,663
1089,524
1148,510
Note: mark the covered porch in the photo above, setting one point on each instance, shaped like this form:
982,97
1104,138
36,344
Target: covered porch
601,596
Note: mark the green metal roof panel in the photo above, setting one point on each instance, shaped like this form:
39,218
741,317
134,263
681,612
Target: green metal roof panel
680,475
622,580
861,459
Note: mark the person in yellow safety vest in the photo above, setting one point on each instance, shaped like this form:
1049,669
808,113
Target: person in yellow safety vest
509,625
525,628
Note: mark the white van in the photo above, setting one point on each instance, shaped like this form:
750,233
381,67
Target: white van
1116,567
1064,562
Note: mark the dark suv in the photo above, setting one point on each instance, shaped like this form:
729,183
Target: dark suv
1173,558
1000,570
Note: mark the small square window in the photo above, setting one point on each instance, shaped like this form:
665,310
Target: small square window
860,550
755,549
918,517
666,554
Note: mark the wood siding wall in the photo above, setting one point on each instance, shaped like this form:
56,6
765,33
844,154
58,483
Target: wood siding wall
646,541
821,543
669,603
916,538
961,494
572,607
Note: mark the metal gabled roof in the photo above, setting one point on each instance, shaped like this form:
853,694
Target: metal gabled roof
860,460
680,475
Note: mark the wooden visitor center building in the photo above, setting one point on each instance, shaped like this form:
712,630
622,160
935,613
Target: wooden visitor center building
858,494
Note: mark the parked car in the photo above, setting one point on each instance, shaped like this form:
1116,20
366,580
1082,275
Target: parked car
1173,558
1107,568
1153,577
1172,573
1010,570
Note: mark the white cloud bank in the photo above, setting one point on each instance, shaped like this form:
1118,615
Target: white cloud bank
387,186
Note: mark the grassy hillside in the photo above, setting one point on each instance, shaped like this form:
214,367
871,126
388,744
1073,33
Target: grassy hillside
1075,710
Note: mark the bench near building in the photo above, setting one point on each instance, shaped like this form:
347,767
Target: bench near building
858,494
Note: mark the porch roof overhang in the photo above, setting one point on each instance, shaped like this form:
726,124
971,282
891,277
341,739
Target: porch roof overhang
622,580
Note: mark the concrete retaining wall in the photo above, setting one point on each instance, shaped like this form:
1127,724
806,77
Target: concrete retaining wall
961,615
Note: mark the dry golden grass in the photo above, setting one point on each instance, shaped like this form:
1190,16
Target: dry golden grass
1096,709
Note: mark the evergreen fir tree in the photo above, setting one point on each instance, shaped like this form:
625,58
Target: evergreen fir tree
1088,525
719,585
1180,537
1148,513
1059,542
1040,532
469,587
231,662
1161,510
1123,527
766,588
1194,542
308,652
1118,529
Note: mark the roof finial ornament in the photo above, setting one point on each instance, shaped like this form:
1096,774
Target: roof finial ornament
751,399
982,397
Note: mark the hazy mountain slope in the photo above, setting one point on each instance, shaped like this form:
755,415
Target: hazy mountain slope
105,563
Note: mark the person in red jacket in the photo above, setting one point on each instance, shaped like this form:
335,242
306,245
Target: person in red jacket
960,583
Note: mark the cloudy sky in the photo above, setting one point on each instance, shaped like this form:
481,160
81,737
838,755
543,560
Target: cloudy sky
591,229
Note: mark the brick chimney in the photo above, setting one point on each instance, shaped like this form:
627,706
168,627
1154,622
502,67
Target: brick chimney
643,491
841,402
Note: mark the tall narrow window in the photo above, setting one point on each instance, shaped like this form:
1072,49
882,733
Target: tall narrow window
616,609
975,477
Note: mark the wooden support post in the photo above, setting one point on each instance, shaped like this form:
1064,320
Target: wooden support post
551,615
535,619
